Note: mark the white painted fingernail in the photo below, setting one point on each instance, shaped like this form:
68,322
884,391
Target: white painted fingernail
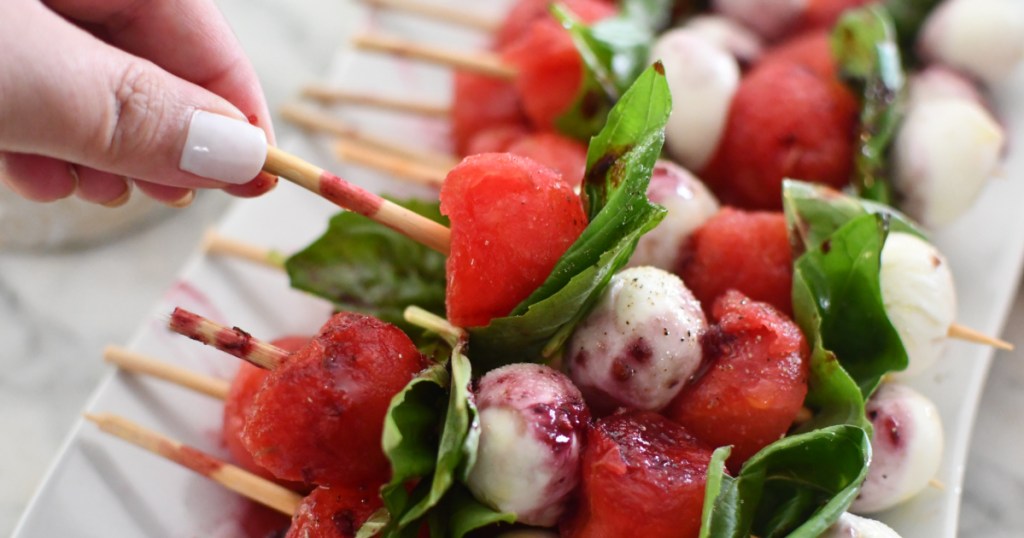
223,148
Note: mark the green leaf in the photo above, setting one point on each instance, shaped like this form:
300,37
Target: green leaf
620,161
360,265
814,212
714,495
427,451
462,513
797,486
615,52
411,437
842,280
864,44
460,436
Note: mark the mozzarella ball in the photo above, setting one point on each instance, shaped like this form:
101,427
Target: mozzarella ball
689,204
919,298
532,425
702,79
983,38
640,344
936,83
906,448
727,35
945,151
769,18
851,526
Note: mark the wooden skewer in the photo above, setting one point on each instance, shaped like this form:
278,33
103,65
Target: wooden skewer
333,188
968,334
215,243
328,96
441,13
937,484
483,63
233,341
315,120
422,173
238,480
142,364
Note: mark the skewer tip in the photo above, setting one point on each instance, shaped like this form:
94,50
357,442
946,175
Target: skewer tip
962,332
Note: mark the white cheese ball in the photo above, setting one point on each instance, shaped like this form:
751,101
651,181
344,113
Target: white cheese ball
906,448
533,422
983,38
689,204
702,79
640,344
935,83
945,151
851,526
919,298
770,18
727,35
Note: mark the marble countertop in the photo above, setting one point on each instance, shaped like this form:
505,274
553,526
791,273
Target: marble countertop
59,308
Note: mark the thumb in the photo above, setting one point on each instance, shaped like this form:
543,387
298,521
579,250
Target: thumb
75,98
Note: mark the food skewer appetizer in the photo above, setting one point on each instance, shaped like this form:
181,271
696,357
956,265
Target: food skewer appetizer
713,470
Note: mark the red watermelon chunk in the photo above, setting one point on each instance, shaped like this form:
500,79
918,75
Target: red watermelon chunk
511,220
238,404
481,103
642,475
755,381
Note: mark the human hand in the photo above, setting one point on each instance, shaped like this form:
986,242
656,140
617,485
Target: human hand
98,96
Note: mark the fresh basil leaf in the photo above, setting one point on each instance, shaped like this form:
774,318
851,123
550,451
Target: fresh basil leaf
715,495
814,212
462,513
864,44
360,265
425,449
411,439
615,52
460,436
797,486
832,395
620,162
842,277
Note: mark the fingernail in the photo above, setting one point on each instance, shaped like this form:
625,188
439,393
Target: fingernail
184,201
123,198
221,148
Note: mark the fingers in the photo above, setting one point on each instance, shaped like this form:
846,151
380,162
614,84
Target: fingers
178,197
37,178
106,109
102,188
206,51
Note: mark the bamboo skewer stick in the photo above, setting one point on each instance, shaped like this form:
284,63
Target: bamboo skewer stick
483,63
417,172
440,13
328,96
233,341
217,244
349,196
968,334
238,480
314,120
142,364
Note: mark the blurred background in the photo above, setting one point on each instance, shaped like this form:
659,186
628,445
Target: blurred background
75,278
